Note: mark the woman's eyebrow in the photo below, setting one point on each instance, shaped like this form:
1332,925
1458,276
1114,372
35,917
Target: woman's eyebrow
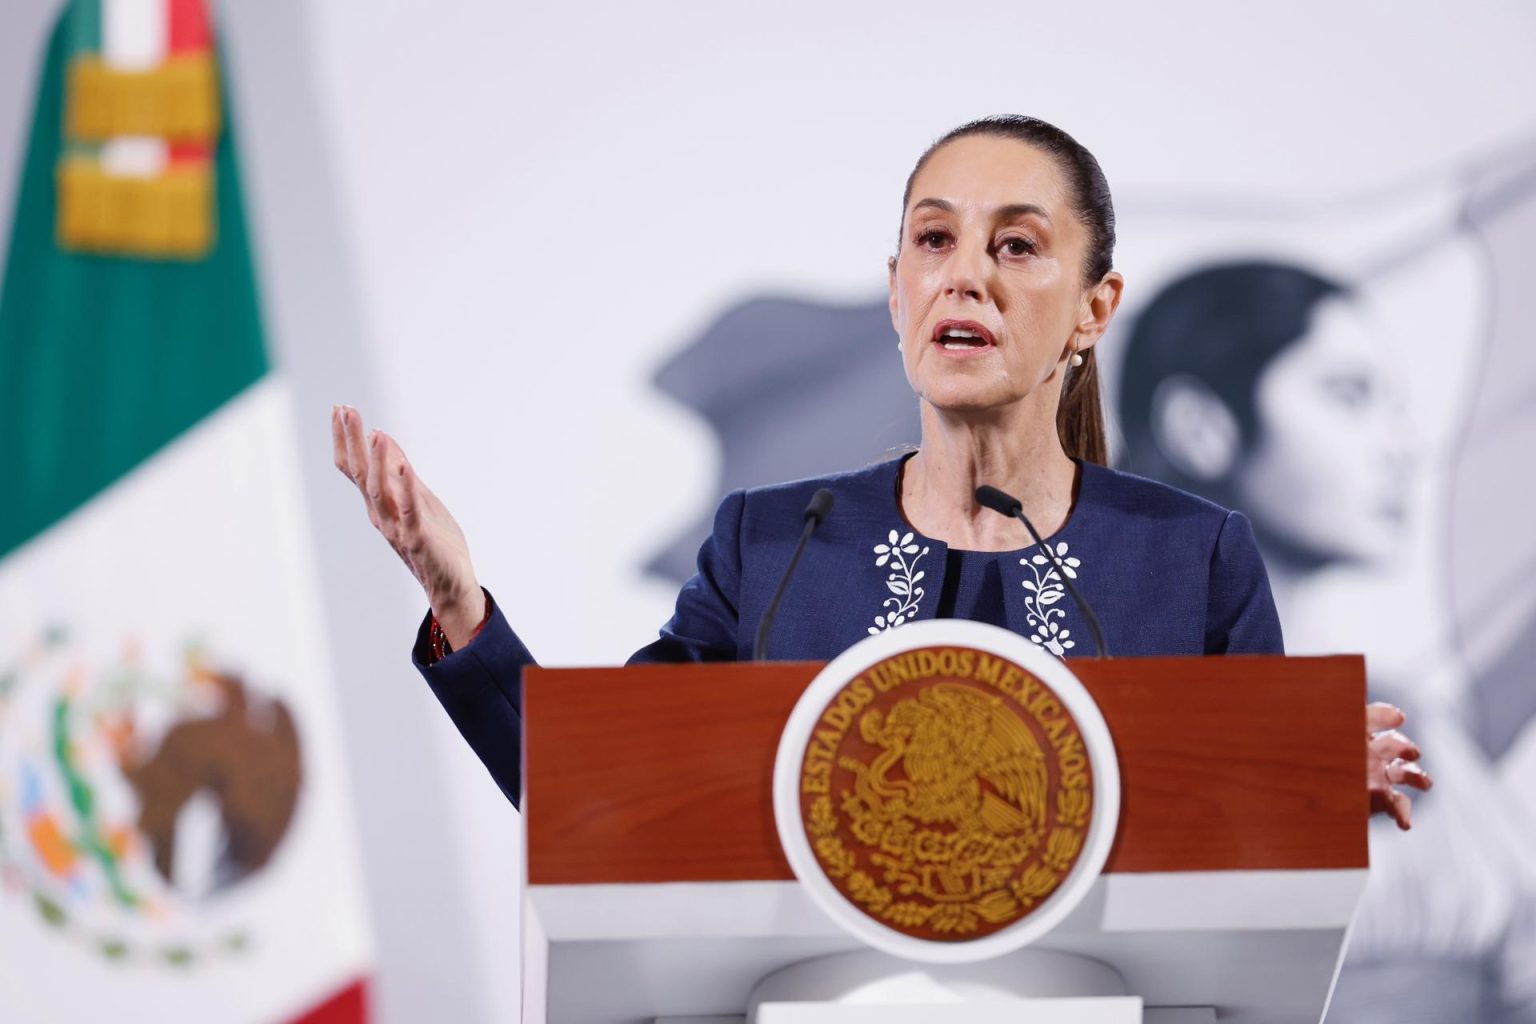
1013,211
1010,212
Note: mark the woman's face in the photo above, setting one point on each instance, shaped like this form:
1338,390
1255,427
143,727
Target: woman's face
987,291
1326,477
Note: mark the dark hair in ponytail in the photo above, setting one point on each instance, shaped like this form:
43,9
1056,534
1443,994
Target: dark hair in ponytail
1080,419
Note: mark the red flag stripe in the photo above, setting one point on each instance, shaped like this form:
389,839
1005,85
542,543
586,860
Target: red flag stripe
188,30
349,1006
189,152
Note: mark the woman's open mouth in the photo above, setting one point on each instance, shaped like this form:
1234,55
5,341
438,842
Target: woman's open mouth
962,337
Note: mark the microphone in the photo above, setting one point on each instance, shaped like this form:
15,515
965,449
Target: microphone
1006,504
815,512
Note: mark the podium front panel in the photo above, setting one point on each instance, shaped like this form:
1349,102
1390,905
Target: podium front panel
662,773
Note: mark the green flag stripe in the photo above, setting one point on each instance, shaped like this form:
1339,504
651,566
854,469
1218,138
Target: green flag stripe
84,27
104,360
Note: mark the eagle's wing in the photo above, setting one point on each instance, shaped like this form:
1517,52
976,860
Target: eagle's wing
1013,763
954,728
973,733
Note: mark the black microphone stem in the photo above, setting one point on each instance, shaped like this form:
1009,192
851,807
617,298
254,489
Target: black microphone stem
1006,504
815,512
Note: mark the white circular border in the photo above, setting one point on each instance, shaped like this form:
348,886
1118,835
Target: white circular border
940,633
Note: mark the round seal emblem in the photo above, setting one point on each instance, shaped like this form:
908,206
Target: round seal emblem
947,791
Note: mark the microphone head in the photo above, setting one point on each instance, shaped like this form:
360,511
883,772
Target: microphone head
998,501
821,504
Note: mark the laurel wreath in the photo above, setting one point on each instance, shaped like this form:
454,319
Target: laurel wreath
1005,891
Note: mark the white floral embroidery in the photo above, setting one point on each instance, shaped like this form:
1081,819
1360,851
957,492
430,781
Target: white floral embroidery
903,554
1045,590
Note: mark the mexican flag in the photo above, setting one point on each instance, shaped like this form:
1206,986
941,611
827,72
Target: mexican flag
175,830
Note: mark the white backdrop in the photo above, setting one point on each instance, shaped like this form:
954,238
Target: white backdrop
488,224
569,197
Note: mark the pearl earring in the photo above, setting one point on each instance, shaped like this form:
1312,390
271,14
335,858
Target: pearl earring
1077,359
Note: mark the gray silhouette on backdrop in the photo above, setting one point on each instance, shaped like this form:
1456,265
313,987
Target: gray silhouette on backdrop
792,389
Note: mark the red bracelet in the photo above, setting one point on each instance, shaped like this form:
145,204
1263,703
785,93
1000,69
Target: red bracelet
438,645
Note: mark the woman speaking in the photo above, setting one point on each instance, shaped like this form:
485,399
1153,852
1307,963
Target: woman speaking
1001,286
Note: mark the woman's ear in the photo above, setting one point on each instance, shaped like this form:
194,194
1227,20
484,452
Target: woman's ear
1194,429
890,266
1098,308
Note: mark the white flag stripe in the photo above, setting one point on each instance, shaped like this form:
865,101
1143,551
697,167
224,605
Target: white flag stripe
134,37
134,33
206,542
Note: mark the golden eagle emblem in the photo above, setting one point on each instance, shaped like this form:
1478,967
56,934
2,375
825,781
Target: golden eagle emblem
949,740
940,804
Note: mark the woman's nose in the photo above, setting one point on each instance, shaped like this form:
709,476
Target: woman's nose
966,273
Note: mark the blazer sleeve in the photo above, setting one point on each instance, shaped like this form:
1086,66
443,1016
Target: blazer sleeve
481,685
1240,611
706,623
481,688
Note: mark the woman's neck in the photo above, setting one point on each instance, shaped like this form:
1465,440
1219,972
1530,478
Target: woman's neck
1007,450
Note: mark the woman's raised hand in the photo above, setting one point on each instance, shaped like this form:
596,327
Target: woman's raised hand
413,520
1390,761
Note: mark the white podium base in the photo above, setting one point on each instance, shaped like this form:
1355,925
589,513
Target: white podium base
1041,986
947,1014
694,952
1091,1010
867,976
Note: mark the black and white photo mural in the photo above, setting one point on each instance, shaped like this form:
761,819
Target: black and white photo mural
1363,386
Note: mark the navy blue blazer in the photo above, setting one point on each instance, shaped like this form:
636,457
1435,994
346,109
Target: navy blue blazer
1168,574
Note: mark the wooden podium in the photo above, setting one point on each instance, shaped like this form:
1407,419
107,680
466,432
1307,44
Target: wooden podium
657,889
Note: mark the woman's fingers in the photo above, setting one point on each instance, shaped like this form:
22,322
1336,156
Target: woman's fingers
402,487
378,474
1381,716
1393,744
355,456
1406,773
1390,761
395,502
412,520
408,500
1399,807
357,448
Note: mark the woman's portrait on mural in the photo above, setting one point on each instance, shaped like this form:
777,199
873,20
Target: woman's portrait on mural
1270,388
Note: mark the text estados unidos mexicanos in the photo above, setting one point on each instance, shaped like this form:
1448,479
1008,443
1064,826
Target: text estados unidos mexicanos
950,662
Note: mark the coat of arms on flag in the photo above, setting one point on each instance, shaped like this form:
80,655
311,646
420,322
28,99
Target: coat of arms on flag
175,829
137,792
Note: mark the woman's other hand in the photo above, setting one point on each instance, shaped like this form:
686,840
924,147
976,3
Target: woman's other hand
1390,761
416,524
